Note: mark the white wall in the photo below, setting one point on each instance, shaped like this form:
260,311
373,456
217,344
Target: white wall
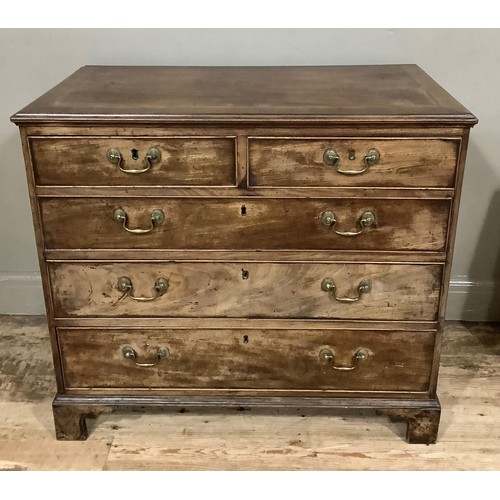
465,62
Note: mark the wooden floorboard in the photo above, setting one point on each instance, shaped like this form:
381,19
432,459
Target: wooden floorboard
469,436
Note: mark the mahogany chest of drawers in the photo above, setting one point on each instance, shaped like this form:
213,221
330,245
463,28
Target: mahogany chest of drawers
249,237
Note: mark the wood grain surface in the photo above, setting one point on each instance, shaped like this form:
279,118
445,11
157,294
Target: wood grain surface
400,257
255,359
213,203
245,224
185,161
271,290
240,192
127,322
297,439
289,162
130,129
385,93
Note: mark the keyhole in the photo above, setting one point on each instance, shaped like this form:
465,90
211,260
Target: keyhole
244,274
243,210
352,154
135,154
245,339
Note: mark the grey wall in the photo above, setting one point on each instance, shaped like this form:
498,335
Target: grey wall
465,62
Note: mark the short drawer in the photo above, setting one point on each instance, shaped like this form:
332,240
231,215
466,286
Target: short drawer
166,161
246,224
407,292
319,360
332,162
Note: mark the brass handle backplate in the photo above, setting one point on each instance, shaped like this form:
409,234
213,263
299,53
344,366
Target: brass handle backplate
125,285
367,219
328,356
157,218
328,285
115,157
332,159
130,353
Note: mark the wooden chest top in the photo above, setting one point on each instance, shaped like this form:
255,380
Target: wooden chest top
308,94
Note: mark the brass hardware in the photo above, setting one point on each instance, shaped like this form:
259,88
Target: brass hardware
367,219
328,356
116,158
352,154
125,285
153,156
332,159
328,285
328,218
372,157
129,353
157,218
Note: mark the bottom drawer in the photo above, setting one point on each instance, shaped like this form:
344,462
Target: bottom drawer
305,360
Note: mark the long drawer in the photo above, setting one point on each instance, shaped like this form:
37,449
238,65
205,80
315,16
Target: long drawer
246,289
288,162
246,224
247,359
105,161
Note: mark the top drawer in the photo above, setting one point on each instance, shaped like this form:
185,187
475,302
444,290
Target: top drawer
328,162
108,161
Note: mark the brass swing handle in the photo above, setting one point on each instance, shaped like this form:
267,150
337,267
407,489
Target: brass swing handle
125,285
359,356
157,218
367,219
332,159
328,285
115,157
130,353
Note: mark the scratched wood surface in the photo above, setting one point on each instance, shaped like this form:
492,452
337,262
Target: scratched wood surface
244,224
184,161
403,162
255,359
469,436
209,289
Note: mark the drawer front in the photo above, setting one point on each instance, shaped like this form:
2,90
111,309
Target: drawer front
402,162
246,224
247,359
174,161
408,292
